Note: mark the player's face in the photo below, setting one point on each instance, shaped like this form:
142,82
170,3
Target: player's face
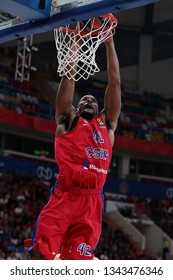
88,107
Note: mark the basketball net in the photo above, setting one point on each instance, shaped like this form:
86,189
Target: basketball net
77,46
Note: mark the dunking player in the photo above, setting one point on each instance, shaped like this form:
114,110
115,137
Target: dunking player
70,223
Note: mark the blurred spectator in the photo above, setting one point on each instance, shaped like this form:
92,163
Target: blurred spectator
165,248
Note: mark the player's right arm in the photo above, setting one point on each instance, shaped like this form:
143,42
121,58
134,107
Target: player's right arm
64,110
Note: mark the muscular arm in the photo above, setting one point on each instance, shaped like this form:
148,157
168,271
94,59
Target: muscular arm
112,99
65,111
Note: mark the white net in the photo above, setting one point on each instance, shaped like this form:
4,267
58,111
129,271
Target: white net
77,45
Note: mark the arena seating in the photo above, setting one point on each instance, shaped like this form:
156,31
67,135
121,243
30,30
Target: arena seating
145,115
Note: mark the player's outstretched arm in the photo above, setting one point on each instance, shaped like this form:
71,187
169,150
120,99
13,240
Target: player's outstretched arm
65,111
112,99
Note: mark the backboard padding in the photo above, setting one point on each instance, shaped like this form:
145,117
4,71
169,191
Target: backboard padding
66,14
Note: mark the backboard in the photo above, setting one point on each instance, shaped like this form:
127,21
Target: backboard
19,18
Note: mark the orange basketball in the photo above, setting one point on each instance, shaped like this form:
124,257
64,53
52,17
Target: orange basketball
97,23
92,25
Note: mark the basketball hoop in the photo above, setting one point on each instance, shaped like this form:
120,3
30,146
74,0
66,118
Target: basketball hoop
77,44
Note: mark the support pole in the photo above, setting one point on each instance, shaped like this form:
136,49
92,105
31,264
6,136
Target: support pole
23,60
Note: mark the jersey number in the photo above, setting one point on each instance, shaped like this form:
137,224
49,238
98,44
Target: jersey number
84,249
98,137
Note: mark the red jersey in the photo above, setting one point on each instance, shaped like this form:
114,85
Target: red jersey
84,154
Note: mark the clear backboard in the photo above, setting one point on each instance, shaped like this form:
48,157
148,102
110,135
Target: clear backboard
19,18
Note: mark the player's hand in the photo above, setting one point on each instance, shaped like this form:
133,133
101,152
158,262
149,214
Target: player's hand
109,38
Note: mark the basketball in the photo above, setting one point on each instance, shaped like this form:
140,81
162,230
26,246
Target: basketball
97,22
93,24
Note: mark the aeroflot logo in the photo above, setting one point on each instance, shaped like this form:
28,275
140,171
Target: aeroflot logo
97,153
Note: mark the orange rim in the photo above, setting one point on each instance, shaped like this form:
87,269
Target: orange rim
109,16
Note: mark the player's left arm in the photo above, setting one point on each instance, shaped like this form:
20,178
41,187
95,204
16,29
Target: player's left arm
112,98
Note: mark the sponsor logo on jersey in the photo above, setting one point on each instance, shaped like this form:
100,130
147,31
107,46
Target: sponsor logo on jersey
97,169
87,166
101,123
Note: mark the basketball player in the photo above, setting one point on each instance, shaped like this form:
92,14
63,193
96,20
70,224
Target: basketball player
69,226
